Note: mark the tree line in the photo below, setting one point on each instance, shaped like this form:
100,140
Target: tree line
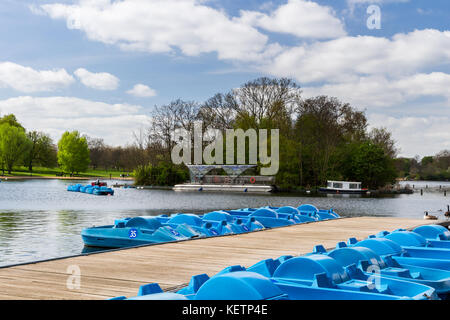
435,167
74,153
25,148
321,138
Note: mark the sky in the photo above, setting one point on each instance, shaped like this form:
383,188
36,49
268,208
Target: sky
101,66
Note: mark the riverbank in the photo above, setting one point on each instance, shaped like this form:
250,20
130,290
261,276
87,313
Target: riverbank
20,173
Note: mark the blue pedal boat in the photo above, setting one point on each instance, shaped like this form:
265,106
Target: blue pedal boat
91,189
189,225
433,232
226,286
74,188
313,211
237,283
413,239
416,245
324,272
267,217
196,223
369,263
83,188
238,224
131,232
391,250
288,212
102,191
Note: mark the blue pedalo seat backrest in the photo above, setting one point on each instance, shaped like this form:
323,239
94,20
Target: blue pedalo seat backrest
239,285
141,222
433,232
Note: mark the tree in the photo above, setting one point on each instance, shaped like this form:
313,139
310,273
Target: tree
162,174
178,114
42,151
367,162
403,166
12,121
97,150
13,145
324,125
442,160
426,161
383,138
73,152
219,111
266,98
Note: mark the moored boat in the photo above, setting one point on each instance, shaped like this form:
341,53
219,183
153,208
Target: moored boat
343,187
131,232
215,223
91,189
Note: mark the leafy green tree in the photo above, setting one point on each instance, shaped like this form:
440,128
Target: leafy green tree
383,138
426,161
42,151
73,152
162,174
403,166
12,121
325,124
367,162
13,145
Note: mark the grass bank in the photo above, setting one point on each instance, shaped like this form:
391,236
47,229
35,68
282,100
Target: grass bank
56,173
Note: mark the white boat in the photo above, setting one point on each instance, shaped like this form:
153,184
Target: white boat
251,188
343,187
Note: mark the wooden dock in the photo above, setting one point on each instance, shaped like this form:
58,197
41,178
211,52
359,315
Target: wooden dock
121,272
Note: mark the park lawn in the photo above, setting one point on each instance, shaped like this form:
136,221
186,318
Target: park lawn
53,172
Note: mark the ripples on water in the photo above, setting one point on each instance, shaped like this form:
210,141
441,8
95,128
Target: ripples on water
39,219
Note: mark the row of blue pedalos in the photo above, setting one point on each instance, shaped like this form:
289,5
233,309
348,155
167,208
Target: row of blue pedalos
386,266
183,226
98,190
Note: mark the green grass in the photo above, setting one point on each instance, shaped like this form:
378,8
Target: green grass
52,172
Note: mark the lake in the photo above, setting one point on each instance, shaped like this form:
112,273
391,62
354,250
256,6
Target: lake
40,219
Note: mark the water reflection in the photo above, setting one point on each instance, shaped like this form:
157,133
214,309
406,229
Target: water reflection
39,219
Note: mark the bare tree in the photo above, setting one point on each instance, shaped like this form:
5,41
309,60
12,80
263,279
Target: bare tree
219,111
383,138
97,149
167,118
261,98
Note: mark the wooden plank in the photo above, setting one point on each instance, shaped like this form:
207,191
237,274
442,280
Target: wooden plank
115,273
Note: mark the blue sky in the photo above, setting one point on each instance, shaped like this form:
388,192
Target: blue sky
68,65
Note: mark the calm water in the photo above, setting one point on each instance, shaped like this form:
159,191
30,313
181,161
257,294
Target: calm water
39,219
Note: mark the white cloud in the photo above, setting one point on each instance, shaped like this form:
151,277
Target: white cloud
26,79
416,135
163,26
141,90
380,91
424,11
346,57
54,115
99,81
375,73
304,19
